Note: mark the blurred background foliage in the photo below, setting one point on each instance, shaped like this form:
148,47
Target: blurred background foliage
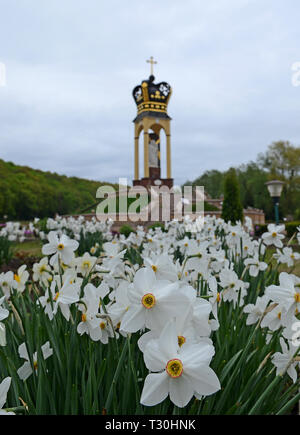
26,193
281,161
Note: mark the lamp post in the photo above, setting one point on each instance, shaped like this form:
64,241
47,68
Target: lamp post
275,189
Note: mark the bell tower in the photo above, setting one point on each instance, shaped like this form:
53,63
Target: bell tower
152,117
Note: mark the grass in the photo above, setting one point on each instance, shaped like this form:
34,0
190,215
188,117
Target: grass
295,270
29,248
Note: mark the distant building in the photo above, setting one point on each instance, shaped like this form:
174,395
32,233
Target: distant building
257,216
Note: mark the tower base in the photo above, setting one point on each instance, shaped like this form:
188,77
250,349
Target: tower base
148,182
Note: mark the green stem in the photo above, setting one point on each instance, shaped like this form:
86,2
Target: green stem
116,375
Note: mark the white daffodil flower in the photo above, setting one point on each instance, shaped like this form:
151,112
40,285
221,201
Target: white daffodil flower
215,298
185,328
67,295
285,361
286,294
275,318
20,279
287,256
2,335
121,305
90,305
256,311
274,235
63,248
4,387
7,282
231,285
234,236
104,329
113,258
152,302
85,264
200,317
26,369
163,267
256,266
4,313
41,271
248,246
47,302
179,372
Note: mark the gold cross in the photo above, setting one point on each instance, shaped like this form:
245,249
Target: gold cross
152,62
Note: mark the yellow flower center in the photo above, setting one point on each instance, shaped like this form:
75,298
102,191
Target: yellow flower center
234,234
42,268
279,315
148,300
181,340
102,325
174,368
218,297
297,298
274,234
60,247
17,278
83,317
35,365
154,268
86,264
56,296
186,245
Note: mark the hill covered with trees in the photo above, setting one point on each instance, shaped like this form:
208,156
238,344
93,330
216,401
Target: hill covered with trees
26,193
281,161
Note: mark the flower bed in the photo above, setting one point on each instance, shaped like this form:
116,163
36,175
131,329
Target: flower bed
159,322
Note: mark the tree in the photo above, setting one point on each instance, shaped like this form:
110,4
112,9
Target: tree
232,209
282,161
212,181
26,193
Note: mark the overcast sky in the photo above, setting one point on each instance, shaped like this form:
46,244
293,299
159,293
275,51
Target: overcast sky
71,66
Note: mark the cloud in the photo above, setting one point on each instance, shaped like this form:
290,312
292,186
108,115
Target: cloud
71,67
